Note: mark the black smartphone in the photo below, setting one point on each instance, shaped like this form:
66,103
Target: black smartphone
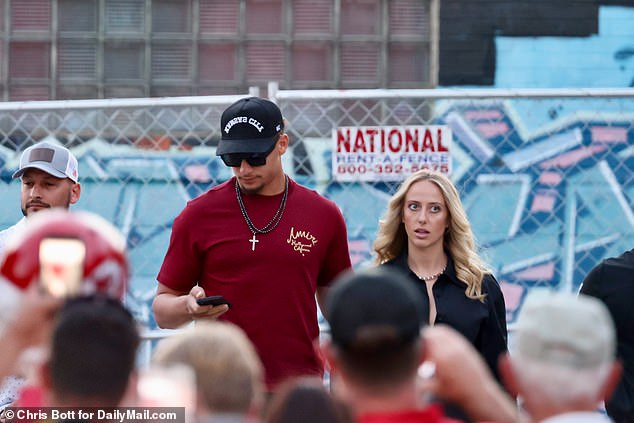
213,300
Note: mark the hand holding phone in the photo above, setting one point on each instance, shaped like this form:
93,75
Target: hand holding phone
213,300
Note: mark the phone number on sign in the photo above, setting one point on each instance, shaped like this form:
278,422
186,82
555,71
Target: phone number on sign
382,169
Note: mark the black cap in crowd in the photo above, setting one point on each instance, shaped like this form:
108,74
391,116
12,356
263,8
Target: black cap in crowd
378,298
249,125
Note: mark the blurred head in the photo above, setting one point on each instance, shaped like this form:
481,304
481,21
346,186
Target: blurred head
563,351
49,178
66,254
93,352
229,374
306,400
253,142
375,318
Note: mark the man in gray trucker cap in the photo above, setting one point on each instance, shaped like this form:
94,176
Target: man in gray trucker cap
49,177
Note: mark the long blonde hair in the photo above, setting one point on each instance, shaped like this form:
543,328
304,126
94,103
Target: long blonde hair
458,240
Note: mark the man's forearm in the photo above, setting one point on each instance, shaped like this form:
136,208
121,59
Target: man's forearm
170,311
492,403
11,350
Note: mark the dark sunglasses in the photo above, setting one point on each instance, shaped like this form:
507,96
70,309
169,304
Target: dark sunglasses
235,159
254,159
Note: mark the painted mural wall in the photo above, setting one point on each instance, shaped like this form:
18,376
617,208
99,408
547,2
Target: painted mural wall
605,59
509,44
561,44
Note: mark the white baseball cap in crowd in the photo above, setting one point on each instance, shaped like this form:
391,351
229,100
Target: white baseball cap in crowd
565,330
50,158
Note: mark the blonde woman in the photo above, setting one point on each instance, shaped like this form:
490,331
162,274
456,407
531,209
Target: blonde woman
425,232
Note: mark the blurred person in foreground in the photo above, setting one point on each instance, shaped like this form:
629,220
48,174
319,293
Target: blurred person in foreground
376,350
92,356
48,178
306,400
229,375
426,234
57,255
612,282
266,243
562,363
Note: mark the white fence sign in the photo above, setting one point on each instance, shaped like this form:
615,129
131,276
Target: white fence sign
389,153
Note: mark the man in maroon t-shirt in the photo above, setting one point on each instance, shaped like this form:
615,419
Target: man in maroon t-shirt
262,241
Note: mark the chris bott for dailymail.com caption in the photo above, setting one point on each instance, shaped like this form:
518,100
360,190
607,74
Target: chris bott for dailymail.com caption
122,414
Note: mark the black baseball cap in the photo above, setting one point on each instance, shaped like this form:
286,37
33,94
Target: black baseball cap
376,298
250,125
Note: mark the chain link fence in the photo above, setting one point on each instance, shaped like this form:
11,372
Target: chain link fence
546,176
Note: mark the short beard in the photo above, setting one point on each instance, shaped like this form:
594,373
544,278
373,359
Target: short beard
65,206
251,191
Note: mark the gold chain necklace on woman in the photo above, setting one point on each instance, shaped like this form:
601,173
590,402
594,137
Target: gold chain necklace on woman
272,223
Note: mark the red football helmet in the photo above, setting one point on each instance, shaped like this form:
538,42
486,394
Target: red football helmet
70,253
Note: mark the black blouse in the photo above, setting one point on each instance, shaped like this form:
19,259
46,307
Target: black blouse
482,323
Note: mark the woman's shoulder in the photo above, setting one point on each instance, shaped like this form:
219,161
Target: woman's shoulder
399,261
490,285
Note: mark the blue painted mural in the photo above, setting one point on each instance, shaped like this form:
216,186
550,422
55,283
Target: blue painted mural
547,196
602,60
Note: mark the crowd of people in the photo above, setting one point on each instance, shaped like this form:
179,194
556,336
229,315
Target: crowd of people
419,337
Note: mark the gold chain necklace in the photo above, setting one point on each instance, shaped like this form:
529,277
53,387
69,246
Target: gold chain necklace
277,217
